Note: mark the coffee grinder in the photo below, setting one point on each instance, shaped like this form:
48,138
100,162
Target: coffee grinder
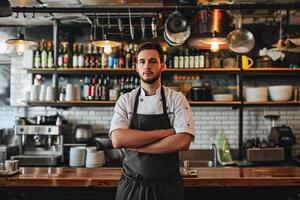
281,136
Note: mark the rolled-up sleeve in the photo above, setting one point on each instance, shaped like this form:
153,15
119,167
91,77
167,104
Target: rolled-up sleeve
183,116
120,117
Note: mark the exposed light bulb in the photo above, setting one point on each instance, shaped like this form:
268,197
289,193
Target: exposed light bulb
20,49
214,46
107,49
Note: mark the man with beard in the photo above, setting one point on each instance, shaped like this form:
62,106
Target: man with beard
151,123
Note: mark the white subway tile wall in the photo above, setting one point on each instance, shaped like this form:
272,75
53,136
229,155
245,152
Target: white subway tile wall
207,119
255,125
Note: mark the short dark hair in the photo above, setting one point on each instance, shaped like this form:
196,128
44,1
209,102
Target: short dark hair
149,46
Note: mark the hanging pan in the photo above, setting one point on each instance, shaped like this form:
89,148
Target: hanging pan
177,29
241,41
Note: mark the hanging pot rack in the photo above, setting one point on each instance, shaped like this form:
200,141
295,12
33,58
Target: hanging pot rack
153,8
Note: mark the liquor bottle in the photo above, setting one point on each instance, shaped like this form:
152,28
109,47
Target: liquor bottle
206,60
201,60
75,59
93,89
104,63
181,59
186,59
111,60
81,57
50,58
92,57
60,60
191,58
165,55
87,57
104,90
66,56
86,88
176,61
97,57
116,58
44,55
37,58
133,57
128,58
197,59
122,57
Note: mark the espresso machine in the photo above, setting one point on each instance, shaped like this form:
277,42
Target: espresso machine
40,145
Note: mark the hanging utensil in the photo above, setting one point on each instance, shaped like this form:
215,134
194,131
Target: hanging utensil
143,25
241,41
154,27
108,20
120,24
130,25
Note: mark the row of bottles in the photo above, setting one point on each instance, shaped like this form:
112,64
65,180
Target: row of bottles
90,56
43,55
101,88
96,57
187,58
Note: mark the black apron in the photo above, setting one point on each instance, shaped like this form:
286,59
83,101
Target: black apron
150,176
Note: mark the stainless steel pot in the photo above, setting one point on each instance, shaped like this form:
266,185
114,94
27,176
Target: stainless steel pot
83,133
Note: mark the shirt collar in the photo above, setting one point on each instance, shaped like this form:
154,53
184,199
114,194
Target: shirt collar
156,93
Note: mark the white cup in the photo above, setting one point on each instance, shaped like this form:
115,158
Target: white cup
69,92
11,165
34,93
42,96
49,93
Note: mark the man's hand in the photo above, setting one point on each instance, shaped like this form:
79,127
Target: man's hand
130,138
173,143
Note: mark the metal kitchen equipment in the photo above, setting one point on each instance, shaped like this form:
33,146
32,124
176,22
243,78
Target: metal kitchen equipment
83,133
283,137
240,40
40,145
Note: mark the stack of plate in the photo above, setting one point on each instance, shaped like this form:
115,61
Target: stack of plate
77,156
257,94
95,159
223,97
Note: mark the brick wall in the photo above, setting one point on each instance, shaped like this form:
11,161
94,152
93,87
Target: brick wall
207,119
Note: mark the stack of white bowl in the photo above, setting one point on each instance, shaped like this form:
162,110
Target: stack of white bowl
223,97
95,158
281,92
256,94
77,156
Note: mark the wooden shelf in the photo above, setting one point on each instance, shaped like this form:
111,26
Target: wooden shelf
85,103
215,103
272,71
207,71
192,103
91,71
272,103
41,103
41,71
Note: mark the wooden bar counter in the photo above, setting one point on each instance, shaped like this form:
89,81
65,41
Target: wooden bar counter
109,177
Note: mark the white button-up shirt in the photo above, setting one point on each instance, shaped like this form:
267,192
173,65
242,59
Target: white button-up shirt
178,109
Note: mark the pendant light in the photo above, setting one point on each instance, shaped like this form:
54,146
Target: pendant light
209,30
5,8
105,42
20,42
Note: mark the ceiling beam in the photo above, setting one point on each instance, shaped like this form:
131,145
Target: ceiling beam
151,8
